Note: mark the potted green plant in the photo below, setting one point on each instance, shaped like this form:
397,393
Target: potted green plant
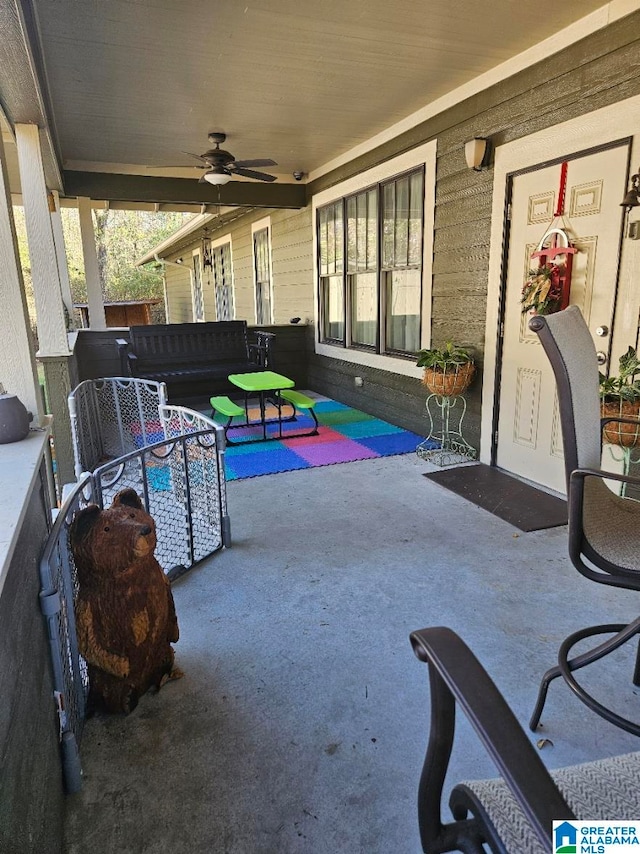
620,398
448,370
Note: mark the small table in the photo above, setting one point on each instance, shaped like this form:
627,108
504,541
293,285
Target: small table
260,383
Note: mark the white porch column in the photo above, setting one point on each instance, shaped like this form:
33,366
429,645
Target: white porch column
18,371
52,327
95,300
61,254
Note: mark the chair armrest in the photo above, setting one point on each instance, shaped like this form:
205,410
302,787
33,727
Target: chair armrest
578,477
457,677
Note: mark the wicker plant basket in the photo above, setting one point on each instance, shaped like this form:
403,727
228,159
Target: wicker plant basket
626,435
450,382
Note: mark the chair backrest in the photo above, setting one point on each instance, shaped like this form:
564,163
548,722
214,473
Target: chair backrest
568,343
179,345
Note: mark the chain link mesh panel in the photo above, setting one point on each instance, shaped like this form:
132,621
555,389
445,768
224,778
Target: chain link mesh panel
179,477
112,416
181,483
59,586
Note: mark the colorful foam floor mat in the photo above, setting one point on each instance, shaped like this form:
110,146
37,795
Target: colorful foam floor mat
344,435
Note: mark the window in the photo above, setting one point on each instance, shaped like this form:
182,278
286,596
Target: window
197,297
330,242
402,261
222,281
262,271
374,301
362,261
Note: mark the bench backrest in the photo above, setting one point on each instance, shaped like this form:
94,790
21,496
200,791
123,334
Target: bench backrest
188,344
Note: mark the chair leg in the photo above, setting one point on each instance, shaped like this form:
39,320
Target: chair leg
566,666
636,670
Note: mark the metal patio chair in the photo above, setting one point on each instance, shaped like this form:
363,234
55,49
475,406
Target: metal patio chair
604,528
514,813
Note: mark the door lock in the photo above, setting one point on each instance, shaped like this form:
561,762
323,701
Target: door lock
602,357
602,331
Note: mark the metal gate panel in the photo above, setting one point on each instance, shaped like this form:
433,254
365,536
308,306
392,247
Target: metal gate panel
180,480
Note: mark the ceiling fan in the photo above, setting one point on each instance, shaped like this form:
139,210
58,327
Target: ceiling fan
221,165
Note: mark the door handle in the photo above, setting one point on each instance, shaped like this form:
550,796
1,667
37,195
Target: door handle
602,357
602,331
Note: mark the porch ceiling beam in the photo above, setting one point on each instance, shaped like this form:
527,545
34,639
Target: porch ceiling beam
143,188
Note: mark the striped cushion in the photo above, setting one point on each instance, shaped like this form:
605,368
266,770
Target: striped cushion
605,789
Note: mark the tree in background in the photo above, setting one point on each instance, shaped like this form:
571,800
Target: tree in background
122,237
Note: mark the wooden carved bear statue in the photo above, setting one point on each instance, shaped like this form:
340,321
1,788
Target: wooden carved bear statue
125,614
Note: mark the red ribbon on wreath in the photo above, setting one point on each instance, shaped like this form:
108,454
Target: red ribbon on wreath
548,287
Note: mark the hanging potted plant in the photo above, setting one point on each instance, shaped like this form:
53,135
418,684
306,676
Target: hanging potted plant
448,371
620,398
542,290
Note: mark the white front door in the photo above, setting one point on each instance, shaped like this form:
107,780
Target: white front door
529,440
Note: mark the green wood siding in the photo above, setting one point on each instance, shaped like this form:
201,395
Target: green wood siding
179,305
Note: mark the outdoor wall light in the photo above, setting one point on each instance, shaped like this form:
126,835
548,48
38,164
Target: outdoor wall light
476,153
631,199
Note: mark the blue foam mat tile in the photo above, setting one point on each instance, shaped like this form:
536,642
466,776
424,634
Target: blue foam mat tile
389,444
364,429
252,465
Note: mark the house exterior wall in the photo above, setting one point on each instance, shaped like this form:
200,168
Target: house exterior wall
32,801
179,304
291,263
599,70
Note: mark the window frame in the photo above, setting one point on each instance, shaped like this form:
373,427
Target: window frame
423,156
217,244
256,227
197,287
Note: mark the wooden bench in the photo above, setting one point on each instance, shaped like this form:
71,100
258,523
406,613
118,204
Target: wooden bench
194,358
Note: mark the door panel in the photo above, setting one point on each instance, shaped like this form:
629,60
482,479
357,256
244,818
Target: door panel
529,435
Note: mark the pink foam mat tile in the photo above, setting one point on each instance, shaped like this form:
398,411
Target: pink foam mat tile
335,452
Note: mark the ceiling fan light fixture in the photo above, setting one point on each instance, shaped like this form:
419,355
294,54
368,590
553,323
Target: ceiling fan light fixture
217,178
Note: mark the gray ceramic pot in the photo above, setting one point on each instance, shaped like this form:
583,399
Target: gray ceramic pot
14,419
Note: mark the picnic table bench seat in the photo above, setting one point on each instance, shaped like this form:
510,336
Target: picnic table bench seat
194,358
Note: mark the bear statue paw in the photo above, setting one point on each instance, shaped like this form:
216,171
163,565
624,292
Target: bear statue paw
175,673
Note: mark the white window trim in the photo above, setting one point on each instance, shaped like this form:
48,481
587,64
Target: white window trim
216,244
259,225
197,253
423,155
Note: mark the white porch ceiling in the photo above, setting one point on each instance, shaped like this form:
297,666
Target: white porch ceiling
130,85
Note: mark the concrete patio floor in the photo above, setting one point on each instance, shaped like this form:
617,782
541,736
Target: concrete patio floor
302,720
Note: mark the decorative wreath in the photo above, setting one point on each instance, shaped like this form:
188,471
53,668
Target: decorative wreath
542,290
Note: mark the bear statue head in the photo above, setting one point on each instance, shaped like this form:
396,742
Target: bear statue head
108,542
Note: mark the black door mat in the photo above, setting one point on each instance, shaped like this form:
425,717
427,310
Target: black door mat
523,506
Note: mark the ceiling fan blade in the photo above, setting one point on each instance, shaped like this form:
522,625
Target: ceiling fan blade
197,156
243,163
249,173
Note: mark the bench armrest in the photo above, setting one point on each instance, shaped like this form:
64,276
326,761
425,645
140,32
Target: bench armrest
262,351
127,357
457,678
